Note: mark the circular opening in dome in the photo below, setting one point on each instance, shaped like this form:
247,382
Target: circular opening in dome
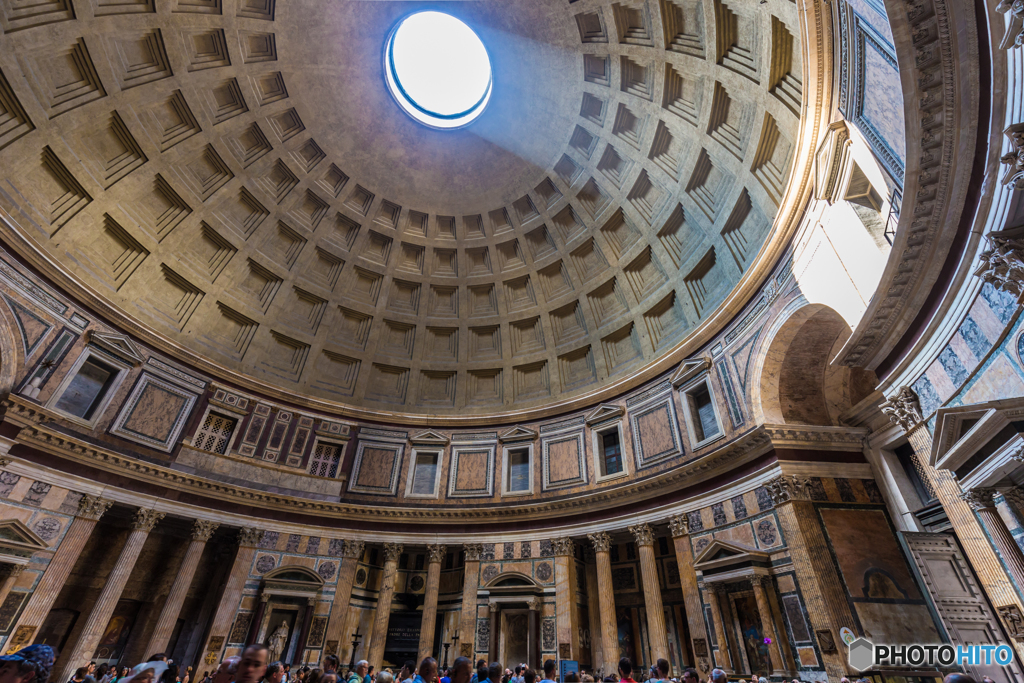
438,70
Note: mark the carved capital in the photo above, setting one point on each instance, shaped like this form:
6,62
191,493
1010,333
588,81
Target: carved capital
679,525
1002,264
980,498
353,549
534,604
493,607
563,546
601,540
643,534
249,536
1011,616
264,597
1014,36
474,551
437,552
14,570
392,551
760,580
202,530
1015,497
783,488
92,507
903,409
145,519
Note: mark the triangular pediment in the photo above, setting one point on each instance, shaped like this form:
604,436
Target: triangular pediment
604,412
690,369
429,438
828,161
721,554
119,345
518,433
962,431
17,540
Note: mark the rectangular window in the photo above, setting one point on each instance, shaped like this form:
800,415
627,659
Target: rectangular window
611,452
519,471
325,460
215,434
702,410
86,391
424,476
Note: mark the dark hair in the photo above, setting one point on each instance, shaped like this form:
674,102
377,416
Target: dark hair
81,672
427,662
273,669
625,666
572,677
256,647
314,675
549,667
692,673
518,669
663,667
529,675
409,665
495,671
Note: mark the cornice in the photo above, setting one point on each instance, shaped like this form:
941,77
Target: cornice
815,437
41,435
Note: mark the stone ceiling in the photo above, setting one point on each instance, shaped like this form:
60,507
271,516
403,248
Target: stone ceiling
232,178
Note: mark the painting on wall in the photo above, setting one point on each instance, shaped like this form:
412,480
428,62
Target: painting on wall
627,638
118,629
750,631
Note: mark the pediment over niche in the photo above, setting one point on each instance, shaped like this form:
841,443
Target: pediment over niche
722,555
961,432
518,433
829,161
119,345
689,369
429,438
18,542
604,412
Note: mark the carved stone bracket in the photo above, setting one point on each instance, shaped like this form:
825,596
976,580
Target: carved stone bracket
601,540
1014,621
563,546
785,488
1014,36
679,525
437,552
903,409
202,530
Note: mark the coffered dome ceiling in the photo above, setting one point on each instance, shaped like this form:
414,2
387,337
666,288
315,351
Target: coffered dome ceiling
233,182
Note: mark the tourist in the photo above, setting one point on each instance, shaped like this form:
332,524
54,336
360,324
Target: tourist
275,673
529,675
330,664
718,676
518,677
660,670
79,675
494,672
446,676
358,674
315,675
31,664
253,665
549,669
626,670
427,672
385,677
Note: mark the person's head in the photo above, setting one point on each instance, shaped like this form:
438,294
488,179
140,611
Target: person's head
362,666
519,670
382,677
958,678
28,665
315,675
718,676
625,667
494,672
275,672
332,677
226,671
253,665
91,666
549,668
428,669
81,672
462,670
663,668
529,675
572,677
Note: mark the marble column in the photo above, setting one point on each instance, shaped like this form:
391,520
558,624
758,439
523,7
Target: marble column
90,509
300,648
593,609
392,551
679,525
724,658
12,572
609,634
257,619
337,638
436,555
982,501
470,583
533,646
81,652
566,613
201,532
764,610
227,608
494,610
657,633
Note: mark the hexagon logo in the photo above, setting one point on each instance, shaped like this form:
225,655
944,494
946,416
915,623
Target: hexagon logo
862,654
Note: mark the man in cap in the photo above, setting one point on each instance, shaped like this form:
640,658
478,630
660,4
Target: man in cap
28,665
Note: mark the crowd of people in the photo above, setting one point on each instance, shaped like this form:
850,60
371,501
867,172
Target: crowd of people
34,664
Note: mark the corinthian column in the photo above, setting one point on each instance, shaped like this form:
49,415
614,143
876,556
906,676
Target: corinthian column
228,605
724,656
99,617
436,554
764,610
982,501
201,532
392,551
658,637
609,633
470,583
90,509
566,612
352,552
679,525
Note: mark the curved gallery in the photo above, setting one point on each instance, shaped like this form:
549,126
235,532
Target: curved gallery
670,349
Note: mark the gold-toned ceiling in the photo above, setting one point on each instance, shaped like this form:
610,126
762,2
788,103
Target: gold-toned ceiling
232,177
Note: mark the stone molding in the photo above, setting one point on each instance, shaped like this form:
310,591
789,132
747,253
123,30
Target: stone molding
437,552
392,551
202,530
145,519
474,551
92,507
353,549
679,525
602,541
808,436
643,534
563,546
903,409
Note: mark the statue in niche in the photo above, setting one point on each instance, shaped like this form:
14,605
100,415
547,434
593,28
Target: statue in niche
277,641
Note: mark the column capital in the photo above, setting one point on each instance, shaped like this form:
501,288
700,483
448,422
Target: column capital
353,549
14,570
145,519
311,601
92,507
762,580
493,607
679,525
601,541
903,409
714,588
783,488
643,534
264,597
392,552
563,546
980,498
437,552
202,530
1015,496
474,551
249,536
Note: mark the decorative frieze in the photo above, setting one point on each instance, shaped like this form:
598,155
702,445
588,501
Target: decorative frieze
903,408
